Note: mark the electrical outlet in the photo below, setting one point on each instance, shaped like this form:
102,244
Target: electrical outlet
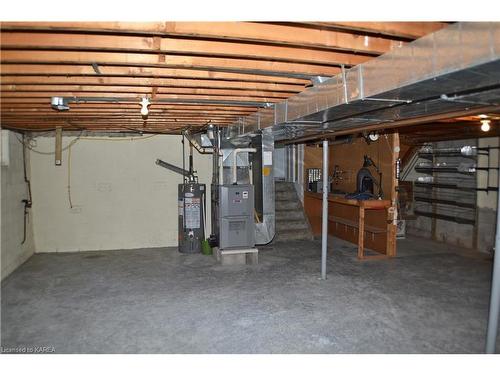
76,210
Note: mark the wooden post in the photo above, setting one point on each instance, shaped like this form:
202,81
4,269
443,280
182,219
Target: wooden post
361,232
58,151
391,212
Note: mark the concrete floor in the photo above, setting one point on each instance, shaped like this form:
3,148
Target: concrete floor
427,300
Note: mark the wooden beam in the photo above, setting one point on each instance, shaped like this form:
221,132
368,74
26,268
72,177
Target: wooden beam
110,122
172,61
48,110
188,47
72,114
55,70
152,115
410,30
143,90
127,95
156,82
163,107
235,31
45,101
170,129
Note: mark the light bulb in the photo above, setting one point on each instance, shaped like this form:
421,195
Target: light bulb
485,125
210,132
144,109
373,136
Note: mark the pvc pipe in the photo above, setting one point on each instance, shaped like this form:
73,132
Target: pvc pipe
324,227
491,335
235,165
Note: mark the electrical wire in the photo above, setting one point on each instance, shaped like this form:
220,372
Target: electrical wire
74,141
69,176
29,201
71,144
31,148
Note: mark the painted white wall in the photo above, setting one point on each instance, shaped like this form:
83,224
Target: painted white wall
121,198
299,183
279,162
14,190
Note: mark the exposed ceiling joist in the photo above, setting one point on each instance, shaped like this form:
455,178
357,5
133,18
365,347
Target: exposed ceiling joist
67,70
136,44
230,31
398,30
148,82
194,72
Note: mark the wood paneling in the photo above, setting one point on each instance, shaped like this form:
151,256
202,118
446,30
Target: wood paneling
349,157
380,242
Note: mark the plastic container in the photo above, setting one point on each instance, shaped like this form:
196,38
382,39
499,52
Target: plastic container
205,248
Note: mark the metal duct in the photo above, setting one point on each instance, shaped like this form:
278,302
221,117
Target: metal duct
265,230
453,69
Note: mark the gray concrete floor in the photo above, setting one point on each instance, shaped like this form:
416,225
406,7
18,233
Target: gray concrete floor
429,299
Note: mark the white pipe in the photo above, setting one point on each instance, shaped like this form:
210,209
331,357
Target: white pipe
324,227
235,165
491,335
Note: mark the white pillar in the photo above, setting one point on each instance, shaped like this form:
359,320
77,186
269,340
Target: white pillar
491,336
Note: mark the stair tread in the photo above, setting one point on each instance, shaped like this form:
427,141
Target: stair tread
291,221
293,230
288,206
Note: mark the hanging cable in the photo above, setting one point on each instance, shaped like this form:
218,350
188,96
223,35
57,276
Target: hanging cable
27,202
31,148
27,145
74,141
69,176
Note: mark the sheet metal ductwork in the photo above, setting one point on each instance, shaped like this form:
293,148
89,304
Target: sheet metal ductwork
453,69
264,185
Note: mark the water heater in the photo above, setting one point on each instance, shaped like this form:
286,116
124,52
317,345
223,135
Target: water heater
191,228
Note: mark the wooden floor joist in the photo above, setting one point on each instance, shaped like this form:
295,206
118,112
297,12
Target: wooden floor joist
230,31
208,71
67,70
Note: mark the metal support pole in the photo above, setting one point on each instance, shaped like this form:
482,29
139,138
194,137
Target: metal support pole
324,227
491,336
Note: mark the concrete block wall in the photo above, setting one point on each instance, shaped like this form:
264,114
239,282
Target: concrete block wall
487,202
462,234
14,190
121,198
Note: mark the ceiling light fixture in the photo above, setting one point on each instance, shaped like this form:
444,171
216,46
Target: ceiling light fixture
373,136
210,131
144,109
485,125
59,103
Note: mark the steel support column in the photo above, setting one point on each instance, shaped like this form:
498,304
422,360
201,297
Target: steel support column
324,228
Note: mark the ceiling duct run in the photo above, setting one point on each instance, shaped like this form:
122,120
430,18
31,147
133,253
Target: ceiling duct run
454,69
